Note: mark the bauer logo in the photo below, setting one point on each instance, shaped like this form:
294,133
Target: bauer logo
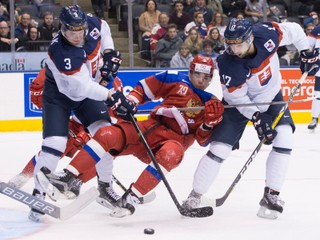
30,110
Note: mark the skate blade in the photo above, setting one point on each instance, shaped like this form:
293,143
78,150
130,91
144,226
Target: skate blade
267,213
52,192
120,212
105,203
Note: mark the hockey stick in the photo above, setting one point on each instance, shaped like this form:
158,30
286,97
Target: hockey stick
234,105
219,201
145,199
195,212
62,213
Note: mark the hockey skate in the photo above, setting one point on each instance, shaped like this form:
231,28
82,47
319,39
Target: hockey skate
108,197
63,182
313,124
270,205
34,214
193,200
126,204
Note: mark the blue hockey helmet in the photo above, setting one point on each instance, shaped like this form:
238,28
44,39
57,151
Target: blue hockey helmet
237,31
73,18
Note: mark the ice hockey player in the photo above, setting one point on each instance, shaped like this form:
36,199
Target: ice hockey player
249,72
77,136
314,41
168,131
74,68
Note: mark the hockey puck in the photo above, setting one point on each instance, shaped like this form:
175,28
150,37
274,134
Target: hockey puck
148,231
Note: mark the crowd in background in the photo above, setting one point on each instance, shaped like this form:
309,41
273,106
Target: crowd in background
166,39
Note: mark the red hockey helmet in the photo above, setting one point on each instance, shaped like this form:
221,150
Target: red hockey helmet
202,64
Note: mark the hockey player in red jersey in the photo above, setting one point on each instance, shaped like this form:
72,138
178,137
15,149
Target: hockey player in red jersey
249,73
168,131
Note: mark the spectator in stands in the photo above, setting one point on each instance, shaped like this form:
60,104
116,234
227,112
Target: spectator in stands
215,6
254,10
207,50
215,36
47,30
188,6
313,18
159,30
32,45
148,18
180,17
168,46
217,21
182,58
23,26
240,16
308,28
4,15
198,23
98,7
5,38
193,41
201,6
232,7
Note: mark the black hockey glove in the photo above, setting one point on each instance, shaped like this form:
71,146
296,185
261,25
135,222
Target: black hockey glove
263,128
121,105
111,63
308,60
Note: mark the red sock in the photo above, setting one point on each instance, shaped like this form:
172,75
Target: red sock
88,175
83,162
146,182
29,168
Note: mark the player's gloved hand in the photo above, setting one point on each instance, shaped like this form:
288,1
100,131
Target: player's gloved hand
213,112
111,63
121,105
112,82
263,128
309,60
173,112
36,89
76,139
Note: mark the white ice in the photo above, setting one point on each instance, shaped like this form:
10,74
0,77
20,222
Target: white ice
235,220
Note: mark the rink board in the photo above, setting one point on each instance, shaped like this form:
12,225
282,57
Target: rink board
17,113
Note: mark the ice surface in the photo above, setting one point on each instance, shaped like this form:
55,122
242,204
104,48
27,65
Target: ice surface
235,220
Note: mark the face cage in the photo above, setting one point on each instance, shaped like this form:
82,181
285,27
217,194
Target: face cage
228,49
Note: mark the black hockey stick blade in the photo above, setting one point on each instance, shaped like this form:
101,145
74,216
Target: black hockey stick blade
62,213
195,212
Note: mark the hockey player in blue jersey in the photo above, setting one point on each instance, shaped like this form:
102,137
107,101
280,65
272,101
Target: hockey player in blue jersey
249,72
80,56
314,41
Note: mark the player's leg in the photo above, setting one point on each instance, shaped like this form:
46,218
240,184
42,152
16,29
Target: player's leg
96,150
276,169
315,110
53,145
169,156
225,136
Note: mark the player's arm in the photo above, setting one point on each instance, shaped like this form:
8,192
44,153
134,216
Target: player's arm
111,58
213,112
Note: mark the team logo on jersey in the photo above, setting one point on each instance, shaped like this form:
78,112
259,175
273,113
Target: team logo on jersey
270,45
265,76
95,33
193,103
